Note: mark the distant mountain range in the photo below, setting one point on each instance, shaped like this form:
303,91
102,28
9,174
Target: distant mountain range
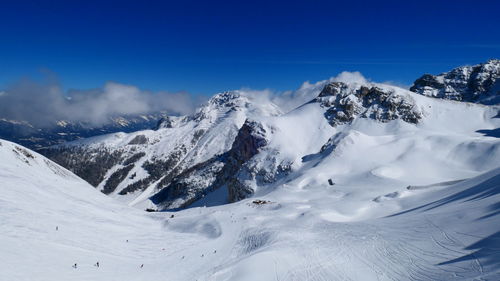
36,137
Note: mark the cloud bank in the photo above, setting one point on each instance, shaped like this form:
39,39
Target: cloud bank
44,103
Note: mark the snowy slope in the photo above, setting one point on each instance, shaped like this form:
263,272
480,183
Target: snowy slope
38,196
304,230
406,139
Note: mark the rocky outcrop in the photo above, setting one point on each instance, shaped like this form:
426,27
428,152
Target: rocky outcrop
219,172
251,138
346,102
478,84
139,139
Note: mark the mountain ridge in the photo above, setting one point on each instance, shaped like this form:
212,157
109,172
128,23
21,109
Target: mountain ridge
244,146
478,83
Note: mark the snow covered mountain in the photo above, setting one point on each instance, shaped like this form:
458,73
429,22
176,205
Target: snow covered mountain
360,181
239,145
36,137
355,133
479,83
365,227
135,166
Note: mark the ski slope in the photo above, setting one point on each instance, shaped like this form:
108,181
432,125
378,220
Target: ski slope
303,230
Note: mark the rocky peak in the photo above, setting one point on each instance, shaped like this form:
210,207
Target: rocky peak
228,98
333,89
346,102
227,101
214,108
221,103
165,122
478,84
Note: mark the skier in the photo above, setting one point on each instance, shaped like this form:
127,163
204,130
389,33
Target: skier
74,266
97,264
142,265
57,228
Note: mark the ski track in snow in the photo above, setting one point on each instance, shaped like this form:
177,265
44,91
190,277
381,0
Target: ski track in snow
295,239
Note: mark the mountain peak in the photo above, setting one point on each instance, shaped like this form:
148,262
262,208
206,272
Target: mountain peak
224,98
345,102
477,83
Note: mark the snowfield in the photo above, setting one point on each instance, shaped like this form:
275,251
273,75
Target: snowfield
368,226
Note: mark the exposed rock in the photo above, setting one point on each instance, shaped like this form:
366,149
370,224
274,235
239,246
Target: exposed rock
164,122
189,186
345,103
169,122
218,172
260,202
139,139
479,84
251,137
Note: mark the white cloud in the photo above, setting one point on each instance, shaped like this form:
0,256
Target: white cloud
350,77
288,100
43,103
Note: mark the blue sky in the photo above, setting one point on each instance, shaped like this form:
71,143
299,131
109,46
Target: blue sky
208,46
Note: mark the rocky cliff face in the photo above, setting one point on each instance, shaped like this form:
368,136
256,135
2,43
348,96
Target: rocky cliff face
250,139
478,84
344,103
221,171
